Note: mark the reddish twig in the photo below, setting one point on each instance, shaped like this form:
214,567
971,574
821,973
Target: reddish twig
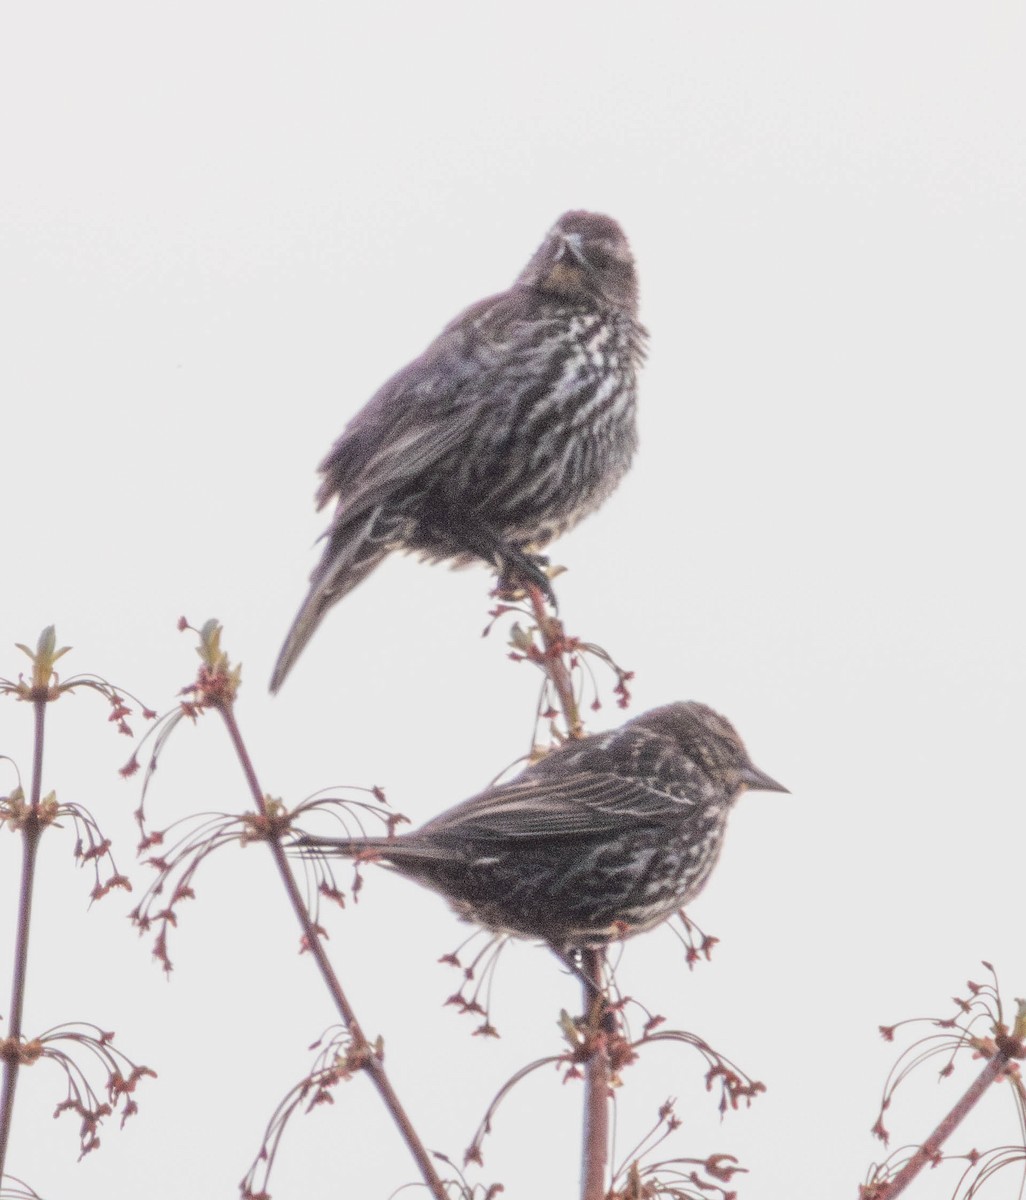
554,642
31,831
363,1053
30,818
595,1155
597,1071
929,1152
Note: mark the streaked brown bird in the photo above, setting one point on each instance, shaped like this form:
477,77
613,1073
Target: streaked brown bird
516,422
605,837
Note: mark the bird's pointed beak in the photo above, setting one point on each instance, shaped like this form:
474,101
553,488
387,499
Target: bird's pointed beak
572,247
759,781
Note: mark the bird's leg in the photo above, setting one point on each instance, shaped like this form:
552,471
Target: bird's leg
514,564
597,1001
593,964
569,959
517,567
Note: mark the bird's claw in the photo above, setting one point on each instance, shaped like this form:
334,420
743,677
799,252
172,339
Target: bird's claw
520,571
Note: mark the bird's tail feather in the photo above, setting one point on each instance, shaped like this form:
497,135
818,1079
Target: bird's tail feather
349,558
405,851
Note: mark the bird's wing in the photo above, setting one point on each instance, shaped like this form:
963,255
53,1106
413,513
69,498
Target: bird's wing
579,803
421,414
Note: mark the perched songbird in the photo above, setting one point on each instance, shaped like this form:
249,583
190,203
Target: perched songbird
516,422
603,838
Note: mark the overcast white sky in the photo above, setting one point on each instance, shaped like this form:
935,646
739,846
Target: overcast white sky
223,226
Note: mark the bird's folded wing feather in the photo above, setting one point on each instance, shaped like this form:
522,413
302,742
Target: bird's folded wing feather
578,804
422,413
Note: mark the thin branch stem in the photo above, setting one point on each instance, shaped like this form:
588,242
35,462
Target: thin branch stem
595,1151
363,1051
39,712
30,831
928,1151
595,1156
554,642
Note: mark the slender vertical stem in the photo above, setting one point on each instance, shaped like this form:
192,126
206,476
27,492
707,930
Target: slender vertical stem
595,1151
30,832
928,1151
554,642
369,1060
39,711
595,1156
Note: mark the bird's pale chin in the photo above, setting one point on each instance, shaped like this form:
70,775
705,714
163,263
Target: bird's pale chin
565,278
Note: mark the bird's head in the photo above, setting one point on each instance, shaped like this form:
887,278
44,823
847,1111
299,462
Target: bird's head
585,256
713,743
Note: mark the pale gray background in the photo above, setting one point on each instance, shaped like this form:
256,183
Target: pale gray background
223,226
